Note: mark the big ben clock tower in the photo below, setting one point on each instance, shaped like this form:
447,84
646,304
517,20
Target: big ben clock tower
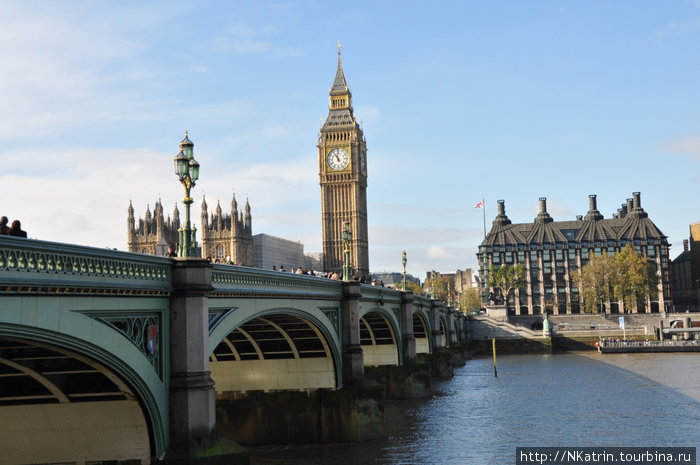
342,162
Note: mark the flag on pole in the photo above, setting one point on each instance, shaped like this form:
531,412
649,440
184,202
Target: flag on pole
479,205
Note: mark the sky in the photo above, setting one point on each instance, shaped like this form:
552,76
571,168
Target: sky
459,101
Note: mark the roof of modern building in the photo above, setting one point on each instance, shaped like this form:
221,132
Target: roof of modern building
629,224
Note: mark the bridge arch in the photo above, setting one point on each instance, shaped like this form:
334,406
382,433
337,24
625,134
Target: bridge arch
70,324
444,331
421,332
380,337
94,407
276,348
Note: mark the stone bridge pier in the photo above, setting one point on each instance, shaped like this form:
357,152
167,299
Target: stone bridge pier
193,435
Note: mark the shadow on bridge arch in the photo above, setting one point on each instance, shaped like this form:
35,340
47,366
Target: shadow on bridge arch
421,332
444,325
280,348
57,405
379,337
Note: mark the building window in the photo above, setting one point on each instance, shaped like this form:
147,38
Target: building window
570,234
219,251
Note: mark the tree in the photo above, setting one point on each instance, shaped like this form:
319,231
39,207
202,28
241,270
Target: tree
470,300
414,287
506,279
596,282
636,278
443,285
627,276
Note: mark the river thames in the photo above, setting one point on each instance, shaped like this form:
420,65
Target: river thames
575,399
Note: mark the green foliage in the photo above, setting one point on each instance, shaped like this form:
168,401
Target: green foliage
506,279
636,278
470,300
443,285
596,282
413,287
627,276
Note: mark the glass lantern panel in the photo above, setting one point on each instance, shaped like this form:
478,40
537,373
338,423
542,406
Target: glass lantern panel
194,170
187,149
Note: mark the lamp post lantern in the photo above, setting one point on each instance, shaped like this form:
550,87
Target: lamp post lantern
347,237
403,261
187,171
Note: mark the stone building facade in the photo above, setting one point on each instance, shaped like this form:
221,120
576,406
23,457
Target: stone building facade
271,251
227,237
224,236
552,254
685,273
153,233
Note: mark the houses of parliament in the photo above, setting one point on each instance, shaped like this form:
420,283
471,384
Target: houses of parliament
342,163
224,236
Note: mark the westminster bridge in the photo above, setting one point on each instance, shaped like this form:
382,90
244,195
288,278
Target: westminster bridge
108,355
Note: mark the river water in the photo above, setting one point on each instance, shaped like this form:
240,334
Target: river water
575,399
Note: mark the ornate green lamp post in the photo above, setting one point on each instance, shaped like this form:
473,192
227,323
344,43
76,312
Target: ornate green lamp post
187,170
403,261
347,237
433,287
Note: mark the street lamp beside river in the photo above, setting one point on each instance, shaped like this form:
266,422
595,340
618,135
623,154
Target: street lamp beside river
187,170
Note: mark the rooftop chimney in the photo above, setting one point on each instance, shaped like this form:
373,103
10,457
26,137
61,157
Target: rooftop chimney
543,216
636,201
593,213
501,218
685,245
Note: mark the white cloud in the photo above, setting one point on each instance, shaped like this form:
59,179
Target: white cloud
89,190
388,235
439,253
689,146
81,195
240,46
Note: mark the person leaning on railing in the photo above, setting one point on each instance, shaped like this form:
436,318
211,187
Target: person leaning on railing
15,230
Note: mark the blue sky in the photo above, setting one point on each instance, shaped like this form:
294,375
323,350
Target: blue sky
459,101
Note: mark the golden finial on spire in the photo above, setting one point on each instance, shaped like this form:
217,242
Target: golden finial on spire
339,47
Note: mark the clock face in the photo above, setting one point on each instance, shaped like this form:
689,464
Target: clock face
338,159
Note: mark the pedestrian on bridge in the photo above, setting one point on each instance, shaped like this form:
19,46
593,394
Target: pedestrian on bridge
16,230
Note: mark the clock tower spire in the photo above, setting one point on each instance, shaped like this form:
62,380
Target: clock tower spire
342,160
